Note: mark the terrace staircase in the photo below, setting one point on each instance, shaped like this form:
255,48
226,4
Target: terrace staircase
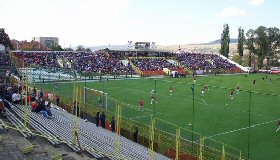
186,70
60,62
135,69
64,62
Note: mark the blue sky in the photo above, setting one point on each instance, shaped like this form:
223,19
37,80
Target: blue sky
103,22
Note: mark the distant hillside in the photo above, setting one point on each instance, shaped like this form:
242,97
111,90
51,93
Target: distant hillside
125,46
232,40
94,48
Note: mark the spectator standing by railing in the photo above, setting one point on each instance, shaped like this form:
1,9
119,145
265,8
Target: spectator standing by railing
57,100
135,135
103,119
97,118
113,124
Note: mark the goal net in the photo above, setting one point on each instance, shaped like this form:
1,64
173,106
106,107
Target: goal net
96,97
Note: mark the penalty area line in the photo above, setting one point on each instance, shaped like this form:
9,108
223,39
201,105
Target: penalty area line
145,109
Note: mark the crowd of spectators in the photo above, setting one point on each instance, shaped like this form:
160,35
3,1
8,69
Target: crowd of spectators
37,58
15,94
99,61
153,64
5,59
104,62
197,61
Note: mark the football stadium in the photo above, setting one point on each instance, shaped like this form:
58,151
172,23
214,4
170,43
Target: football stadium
141,101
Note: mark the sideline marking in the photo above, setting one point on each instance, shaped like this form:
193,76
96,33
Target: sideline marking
140,117
240,129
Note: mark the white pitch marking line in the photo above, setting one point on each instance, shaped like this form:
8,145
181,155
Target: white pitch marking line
167,81
152,111
137,108
140,117
201,99
236,130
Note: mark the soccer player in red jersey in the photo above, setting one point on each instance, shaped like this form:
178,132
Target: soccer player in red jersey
141,103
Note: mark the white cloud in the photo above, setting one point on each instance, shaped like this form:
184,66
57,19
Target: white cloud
256,2
231,12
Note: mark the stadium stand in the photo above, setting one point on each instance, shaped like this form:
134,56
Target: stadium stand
97,62
5,64
37,58
113,62
101,140
196,61
19,125
154,66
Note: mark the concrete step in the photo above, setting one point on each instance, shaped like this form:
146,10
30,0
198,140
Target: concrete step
35,144
2,126
9,149
23,144
62,152
42,150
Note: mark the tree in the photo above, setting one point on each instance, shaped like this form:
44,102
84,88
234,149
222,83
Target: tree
80,48
245,59
264,42
241,41
4,39
57,48
250,44
88,50
68,49
236,58
225,40
261,44
274,43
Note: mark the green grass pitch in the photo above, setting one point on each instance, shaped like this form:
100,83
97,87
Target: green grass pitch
215,114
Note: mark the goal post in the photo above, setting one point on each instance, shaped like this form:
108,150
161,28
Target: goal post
96,97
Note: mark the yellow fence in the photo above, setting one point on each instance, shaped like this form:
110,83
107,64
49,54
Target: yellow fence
181,144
